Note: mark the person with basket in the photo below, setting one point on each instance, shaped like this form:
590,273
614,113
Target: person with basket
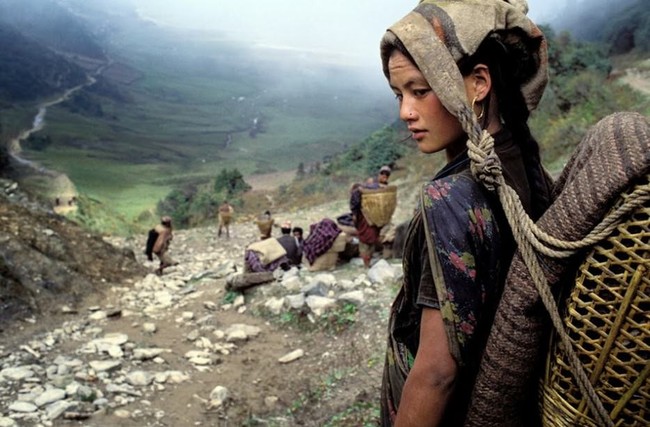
265,223
164,236
367,232
226,212
465,75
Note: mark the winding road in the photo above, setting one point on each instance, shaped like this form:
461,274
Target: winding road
62,188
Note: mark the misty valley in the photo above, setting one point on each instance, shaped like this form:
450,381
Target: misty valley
162,107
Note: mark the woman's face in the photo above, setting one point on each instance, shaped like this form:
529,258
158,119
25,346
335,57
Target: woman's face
429,122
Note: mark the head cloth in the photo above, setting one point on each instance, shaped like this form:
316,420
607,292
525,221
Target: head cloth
438,34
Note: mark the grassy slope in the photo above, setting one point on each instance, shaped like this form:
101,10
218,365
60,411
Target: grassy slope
193,93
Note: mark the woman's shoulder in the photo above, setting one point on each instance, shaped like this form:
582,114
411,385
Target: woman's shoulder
454,189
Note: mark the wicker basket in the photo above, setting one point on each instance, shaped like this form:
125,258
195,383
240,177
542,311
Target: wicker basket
225,217
607,318
378,205
265,226
326,261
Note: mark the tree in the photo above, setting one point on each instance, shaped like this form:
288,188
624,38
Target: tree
230,182
177,205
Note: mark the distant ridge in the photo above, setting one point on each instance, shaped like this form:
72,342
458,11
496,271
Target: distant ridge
51,25
31,71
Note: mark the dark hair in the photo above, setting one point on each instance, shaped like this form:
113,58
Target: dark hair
508,56
298,229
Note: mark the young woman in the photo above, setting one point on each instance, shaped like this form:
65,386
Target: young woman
463,73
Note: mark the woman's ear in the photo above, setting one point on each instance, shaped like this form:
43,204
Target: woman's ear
481,82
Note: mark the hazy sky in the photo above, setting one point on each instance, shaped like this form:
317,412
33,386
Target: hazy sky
350,27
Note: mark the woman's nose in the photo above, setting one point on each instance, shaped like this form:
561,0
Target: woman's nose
406,111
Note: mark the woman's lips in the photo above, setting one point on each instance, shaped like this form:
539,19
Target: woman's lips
417,134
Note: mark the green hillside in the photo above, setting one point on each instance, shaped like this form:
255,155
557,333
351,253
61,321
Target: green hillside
175,108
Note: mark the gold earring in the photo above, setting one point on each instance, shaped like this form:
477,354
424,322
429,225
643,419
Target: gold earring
480,116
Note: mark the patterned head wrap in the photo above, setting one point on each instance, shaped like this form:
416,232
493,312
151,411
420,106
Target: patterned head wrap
438,34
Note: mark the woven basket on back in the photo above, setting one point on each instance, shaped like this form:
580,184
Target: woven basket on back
265,226
225,217
378,205
607,317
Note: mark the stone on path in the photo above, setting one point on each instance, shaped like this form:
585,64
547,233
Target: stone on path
24,407
290,357
104,365
49,396
7,422
319,305
218,397
382,272
16,373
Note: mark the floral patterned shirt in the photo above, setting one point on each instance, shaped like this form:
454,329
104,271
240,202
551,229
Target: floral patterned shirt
457,252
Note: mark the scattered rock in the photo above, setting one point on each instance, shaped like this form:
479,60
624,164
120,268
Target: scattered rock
319,305
139,378
20,406
49,396
354,297
149,327
274,305
7,422
104,365
147,353
290,357
218,397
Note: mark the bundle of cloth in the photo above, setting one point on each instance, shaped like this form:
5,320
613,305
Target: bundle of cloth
321,238
265,255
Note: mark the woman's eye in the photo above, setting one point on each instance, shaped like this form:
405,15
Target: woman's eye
399,97
421,92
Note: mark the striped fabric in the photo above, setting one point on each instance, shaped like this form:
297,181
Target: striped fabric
613,156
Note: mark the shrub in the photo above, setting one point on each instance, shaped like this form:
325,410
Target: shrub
231,182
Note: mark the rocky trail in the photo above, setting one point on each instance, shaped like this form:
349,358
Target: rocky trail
180,350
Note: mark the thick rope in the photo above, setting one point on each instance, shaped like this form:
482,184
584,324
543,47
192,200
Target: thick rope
531,240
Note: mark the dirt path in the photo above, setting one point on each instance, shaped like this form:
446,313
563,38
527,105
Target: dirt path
335,381
639,77
270,181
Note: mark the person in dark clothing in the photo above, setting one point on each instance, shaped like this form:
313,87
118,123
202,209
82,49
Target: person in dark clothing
161,246
289,243
298,235
367,234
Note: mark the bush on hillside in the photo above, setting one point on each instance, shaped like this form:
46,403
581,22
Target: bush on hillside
568,59
579,94
230,183
380,148
195,204
177,205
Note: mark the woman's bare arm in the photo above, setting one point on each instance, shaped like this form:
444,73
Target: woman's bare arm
431,380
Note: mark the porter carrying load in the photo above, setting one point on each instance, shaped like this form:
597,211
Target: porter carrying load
378,204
